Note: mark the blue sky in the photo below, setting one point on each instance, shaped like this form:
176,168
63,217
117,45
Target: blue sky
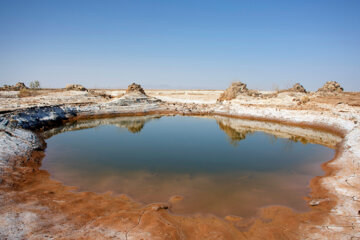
180,44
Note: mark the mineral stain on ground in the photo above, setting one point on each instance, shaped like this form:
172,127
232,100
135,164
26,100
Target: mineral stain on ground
214,169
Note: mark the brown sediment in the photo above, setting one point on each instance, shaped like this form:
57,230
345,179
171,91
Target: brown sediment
82,214
327,199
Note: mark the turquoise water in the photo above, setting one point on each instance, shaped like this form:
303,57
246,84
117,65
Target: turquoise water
152,160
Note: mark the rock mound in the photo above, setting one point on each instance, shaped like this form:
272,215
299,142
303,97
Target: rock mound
331,87
20,85
76,87
134,95
16,87
135,88
235,89
238,88
298,88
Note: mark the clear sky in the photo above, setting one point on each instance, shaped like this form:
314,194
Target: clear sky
180,44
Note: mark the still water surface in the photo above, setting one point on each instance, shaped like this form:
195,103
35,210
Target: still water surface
153,160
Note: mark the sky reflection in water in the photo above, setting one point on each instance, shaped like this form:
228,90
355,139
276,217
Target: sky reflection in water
216,169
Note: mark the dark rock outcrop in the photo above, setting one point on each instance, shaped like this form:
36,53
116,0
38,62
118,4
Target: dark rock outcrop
36,118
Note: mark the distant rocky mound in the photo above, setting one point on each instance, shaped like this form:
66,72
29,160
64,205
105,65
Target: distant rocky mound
239,88
298,88
135,88
135,94
76,87
16,87
20,85
331,87
235,89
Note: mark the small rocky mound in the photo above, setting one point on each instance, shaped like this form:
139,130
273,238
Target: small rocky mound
255,93
331,87
302,100
235,89
135,94
98,93
298,88
16,87
238,88
76,87
20,85
135,88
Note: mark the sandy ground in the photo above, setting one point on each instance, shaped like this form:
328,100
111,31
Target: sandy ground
11,101
33,206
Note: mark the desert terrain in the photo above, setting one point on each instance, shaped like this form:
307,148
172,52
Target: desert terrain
33,206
